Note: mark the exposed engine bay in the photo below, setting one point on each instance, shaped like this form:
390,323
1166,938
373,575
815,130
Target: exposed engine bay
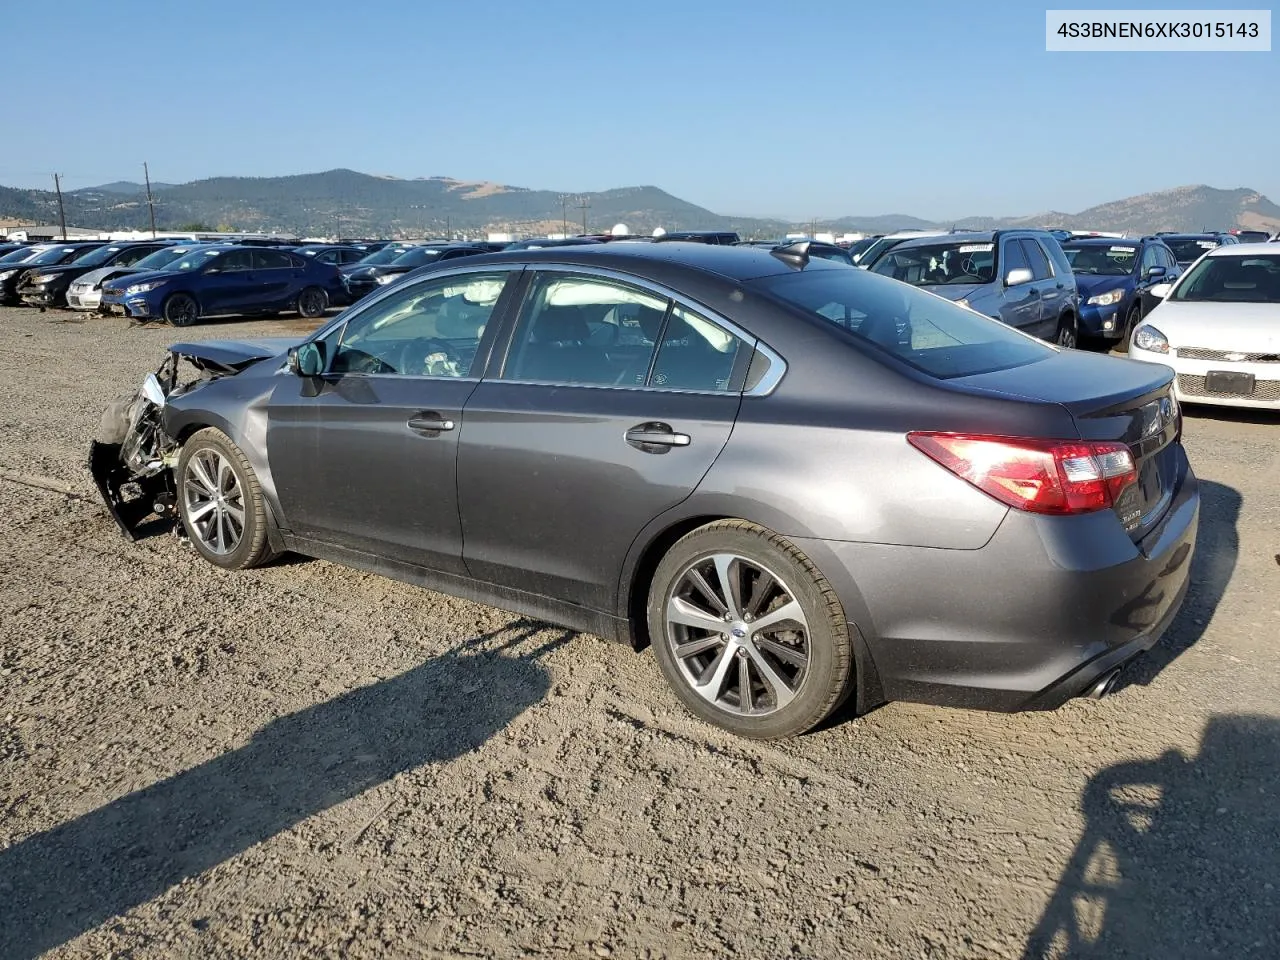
132,458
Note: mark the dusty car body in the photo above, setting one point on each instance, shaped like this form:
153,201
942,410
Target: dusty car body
780,472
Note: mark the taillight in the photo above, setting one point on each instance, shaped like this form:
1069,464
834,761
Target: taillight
1040,476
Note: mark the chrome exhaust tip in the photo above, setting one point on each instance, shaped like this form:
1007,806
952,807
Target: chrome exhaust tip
1103,685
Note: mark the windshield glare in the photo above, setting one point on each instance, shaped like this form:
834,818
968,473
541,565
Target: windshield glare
54,255
21,255
95,258
1103,260
1232,280
926,331
416,257
385,255
940,264
192,261
161,258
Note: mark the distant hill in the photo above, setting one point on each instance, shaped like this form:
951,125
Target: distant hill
124,187
351,203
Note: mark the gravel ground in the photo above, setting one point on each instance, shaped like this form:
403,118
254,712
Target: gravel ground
309,761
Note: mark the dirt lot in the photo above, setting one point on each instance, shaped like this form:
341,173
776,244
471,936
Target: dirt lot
309,761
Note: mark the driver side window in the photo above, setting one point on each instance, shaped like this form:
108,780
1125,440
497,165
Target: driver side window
427,329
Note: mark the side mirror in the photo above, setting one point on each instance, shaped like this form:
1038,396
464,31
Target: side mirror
152,390
1017,277
306,360
1161,290
1153,272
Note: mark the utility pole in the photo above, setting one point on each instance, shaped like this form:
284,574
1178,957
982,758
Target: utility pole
584,207
448,227
151,204
564,199
62,213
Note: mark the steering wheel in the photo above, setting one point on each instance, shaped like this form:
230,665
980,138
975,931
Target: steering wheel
420,356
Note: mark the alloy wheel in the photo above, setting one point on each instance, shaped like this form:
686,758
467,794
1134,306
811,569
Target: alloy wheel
738,634
1067,336
214,501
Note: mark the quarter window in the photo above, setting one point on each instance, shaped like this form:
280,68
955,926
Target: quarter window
431,328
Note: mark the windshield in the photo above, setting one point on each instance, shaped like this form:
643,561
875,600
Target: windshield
161,258
1229,279
192,261
940,264
1103,260
385,255
22,254
96,258
919,328
58,255
1185,251
417,256
857,249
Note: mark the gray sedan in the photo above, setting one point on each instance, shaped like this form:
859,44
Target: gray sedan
797,482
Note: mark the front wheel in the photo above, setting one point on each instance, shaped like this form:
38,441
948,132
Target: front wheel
312,303
1067,336
748,632
221,502
1132,319
181,310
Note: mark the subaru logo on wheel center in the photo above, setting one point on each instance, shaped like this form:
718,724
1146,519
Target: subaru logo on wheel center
739,632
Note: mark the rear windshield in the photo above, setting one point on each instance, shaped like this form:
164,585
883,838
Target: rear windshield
1187,250
919,328
940,264
1226,279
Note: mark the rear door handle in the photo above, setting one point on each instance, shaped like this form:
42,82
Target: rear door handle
656,437
430,423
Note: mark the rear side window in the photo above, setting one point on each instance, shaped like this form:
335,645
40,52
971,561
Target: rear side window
1036,259
918,328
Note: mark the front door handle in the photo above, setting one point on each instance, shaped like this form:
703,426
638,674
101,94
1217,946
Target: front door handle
656,437
430,423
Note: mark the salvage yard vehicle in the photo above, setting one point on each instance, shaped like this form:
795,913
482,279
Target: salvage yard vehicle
797,481
1019,277
1219,329
1189,247
1115,279
12,273
220,280
85,292
366,279
49,286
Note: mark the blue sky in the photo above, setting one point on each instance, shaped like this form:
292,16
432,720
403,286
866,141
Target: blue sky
929,108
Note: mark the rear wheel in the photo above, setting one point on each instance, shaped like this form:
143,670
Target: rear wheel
1067,335
181,310
221,502
747,631
312,302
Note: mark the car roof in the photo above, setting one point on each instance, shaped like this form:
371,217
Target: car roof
1245,249
1108,241
733,263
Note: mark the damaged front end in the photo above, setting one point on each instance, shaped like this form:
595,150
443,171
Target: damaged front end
132,459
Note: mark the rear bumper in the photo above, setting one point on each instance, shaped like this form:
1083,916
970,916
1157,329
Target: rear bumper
1035,617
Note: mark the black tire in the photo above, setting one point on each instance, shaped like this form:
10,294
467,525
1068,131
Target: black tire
821,684
1068,335
181,309
312,303
1131,321
253,547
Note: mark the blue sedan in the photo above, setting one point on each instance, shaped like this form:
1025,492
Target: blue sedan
226,280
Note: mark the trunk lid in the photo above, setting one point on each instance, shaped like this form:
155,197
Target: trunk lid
1109,399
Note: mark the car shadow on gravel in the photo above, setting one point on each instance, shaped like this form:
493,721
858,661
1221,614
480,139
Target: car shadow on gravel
1178,856
63,882
1212,566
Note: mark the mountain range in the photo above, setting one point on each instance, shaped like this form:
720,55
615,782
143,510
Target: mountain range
349,203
